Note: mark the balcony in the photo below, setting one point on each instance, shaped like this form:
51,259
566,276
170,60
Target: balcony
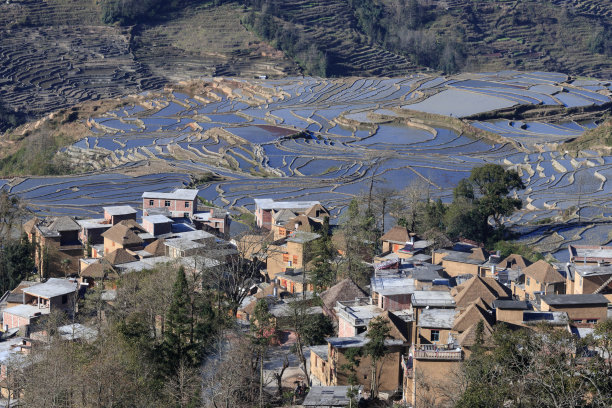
437,352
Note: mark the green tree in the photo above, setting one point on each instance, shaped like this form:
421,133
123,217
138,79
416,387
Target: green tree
323,252
263,332
359,233
378,332
178,335
316,328
16,263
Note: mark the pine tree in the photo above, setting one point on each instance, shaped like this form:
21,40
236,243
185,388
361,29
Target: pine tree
323,252
177,336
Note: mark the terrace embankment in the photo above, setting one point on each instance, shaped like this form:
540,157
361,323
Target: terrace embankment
594,139
429,121
552,114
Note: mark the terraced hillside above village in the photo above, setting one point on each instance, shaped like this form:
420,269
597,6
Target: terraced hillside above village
315,139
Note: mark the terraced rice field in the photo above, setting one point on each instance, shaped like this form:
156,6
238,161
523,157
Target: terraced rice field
253,136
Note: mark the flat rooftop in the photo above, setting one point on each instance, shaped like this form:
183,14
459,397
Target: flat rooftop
434,298
333,396
437,318
270,204
178,194
392,285
157,219
26,311
93,223
592,270
52,288
302,237
590,253
534,317
511,304
119,210
574,300
358,341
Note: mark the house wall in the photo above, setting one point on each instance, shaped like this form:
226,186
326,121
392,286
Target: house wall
320,372
157,229
395,302
345,328
14,321
458,268
390,376
510,316
433,380
425,336
111,246
589,284
263,218
177,207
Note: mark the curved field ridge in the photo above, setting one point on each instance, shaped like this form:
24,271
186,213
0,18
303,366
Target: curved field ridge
299,138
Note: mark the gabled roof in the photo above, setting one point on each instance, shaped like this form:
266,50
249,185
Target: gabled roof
479,254
472,315
64,223
478,287
397,327
514,261
302,237
99,270
468,337
282,216
156,248
304,224
346,289
312,211
120,256
28,227
543,272
397,234
123,233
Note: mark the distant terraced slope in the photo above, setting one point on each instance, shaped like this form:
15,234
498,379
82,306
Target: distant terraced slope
331,26
207,41
55,53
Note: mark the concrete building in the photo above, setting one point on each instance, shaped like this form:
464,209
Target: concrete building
267,211
181,203
114,215
579,308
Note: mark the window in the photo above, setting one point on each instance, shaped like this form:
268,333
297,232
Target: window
295,259
528,281
167,203
186,204
435,335
285,257
151,202
591,320
186,215
64,299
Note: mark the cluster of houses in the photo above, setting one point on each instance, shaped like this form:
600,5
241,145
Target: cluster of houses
432,299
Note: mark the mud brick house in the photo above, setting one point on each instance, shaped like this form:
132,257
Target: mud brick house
327,362
57,245
579,308
114,215
392,292
269,213
295,281
127,234
92,230
458,263
344,290
355,315
181,203
538,278
214,220
288,253
586,279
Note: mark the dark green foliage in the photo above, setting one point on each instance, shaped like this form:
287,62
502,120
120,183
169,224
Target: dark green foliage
506,248
546,368
9,119
16,263
360,235
127,12
323,252
288,39
378,332
316,328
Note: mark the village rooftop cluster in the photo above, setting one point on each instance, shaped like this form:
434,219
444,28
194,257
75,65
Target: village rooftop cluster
433,300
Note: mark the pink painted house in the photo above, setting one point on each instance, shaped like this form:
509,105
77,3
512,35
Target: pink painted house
178,204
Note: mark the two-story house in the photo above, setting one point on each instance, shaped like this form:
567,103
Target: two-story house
181,203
